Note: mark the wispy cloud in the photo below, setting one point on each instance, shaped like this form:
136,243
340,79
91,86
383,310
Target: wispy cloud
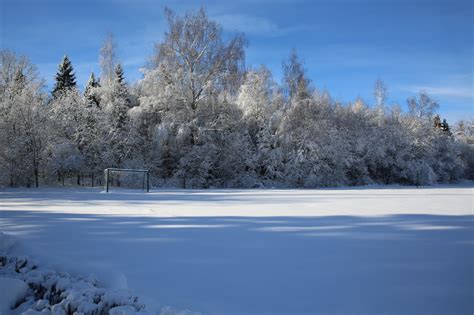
451,91
253,25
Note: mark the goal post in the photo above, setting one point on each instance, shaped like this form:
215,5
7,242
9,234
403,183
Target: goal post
136,178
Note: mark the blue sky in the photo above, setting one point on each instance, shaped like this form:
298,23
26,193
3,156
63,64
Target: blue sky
345,44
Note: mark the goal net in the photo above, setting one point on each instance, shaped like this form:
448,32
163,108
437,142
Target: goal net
124,178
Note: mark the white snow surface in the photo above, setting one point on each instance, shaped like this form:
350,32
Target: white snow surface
12,291
369,250
31,288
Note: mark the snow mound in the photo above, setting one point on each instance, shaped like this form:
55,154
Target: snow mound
13,291
28,288
57,293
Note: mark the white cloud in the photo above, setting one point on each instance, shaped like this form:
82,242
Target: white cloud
251,25
452,91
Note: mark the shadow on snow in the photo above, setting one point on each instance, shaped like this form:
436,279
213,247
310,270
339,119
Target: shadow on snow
400,264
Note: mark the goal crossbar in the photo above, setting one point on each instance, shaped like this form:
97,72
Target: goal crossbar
108,170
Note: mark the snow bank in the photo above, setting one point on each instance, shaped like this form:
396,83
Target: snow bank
28,288
13,291
33,288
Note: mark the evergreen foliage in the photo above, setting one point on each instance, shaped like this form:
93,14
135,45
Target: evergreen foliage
445,127
119,76
65,78
90,91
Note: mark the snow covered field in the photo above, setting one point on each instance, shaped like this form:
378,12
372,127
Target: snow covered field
389,250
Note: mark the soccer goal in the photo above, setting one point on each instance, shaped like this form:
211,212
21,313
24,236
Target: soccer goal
126,178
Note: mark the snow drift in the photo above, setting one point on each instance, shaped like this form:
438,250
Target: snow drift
29,288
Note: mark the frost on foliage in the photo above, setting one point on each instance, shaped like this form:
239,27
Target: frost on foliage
198,119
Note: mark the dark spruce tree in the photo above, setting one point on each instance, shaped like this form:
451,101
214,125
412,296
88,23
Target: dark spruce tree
445,127
65,77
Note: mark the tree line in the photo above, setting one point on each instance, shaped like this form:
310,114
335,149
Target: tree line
198,118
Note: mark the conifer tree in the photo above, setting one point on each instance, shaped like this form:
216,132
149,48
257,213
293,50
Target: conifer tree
120,91
119,76
445,127
90,95
65,77
116,103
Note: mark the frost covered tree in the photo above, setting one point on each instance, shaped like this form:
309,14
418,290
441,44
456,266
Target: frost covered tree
194,59
198,119
380,96
258,98
314,155
195,63
116,102
21,122
107,60
91,91
380,93
119,75
182,94
65,78
75,143
445,159
119,102
67,126
422,107
464,135
297,84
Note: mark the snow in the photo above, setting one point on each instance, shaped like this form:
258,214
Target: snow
12,291
122,310
29,288
370,250
6,242
361,201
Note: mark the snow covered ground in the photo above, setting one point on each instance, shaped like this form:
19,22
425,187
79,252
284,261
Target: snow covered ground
379,250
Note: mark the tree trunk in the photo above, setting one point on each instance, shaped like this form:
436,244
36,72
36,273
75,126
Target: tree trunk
36,176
